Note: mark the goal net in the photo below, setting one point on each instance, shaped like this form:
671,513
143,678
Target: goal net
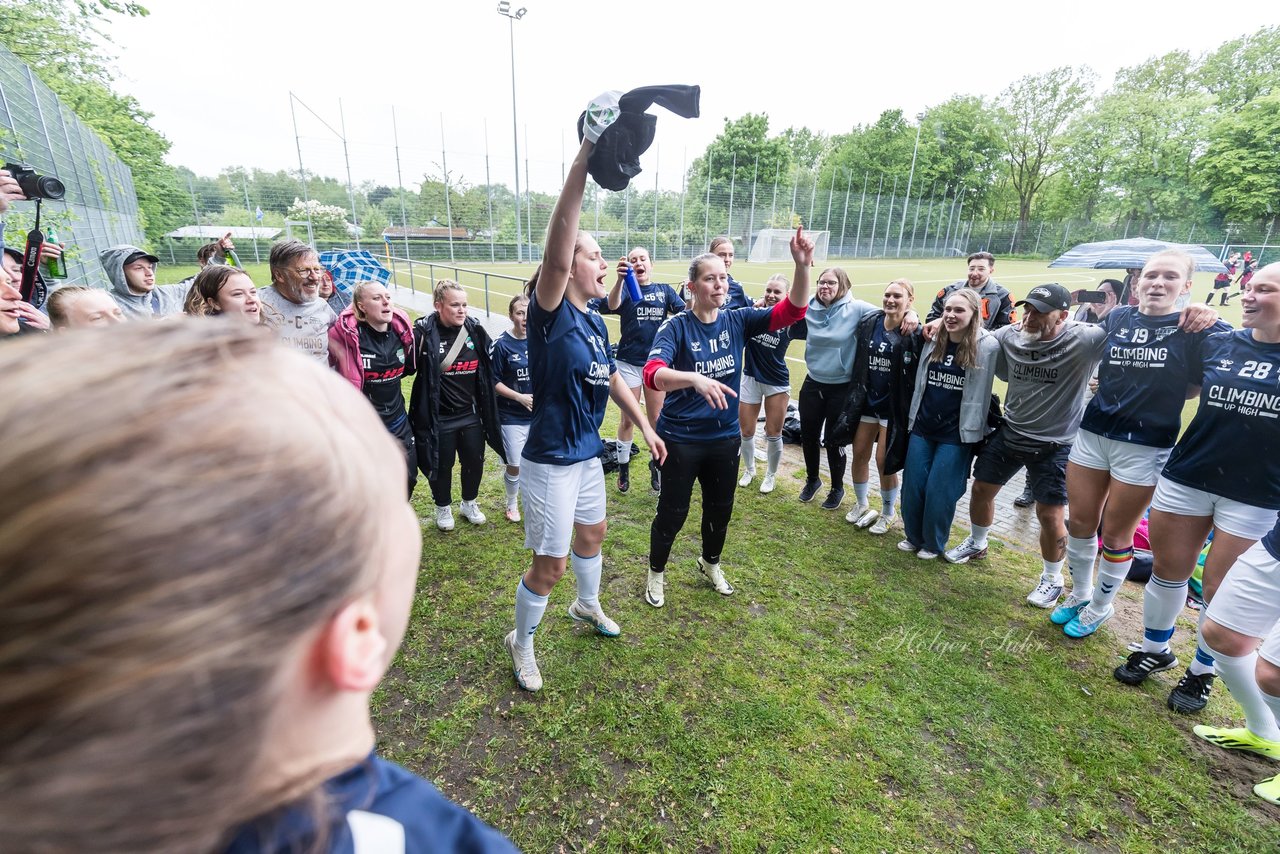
774,244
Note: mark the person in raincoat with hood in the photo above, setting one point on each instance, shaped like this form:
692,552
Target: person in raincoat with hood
132,273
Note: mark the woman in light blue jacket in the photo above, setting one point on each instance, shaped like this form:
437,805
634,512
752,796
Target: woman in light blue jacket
948,417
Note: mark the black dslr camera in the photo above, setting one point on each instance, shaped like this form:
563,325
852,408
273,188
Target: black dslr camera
33,184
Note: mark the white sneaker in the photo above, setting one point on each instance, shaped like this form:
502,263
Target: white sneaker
925,554
653,589
444,518
907,546
1046,594
862,515
711,572
767,485
594,616
513,513
967,550
471,512
748,475
523,665
883,524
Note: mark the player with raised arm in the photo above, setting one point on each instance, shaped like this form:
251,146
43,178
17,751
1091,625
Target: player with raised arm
697,358
573,377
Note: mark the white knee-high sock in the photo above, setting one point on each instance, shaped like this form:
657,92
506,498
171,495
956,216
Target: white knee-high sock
749,453
889,502
1112,572
1273,703
624,451
512,485
1081,553
1237,672
861,491
1161,602
587,571
773,448
529,609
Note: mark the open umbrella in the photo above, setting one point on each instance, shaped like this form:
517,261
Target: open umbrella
1130,253
349,268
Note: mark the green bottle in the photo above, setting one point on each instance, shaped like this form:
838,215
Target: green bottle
55,268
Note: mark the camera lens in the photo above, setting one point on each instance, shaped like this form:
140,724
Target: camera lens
50,188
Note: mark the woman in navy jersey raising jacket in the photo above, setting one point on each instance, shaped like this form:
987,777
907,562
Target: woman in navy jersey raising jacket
573,377
697,360
1209,485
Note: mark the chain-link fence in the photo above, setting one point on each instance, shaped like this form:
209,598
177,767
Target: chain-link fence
100,208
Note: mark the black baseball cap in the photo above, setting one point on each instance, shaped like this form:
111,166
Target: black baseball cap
1046,298
136,255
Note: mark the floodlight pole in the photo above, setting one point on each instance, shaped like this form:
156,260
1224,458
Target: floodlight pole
504,9
910,175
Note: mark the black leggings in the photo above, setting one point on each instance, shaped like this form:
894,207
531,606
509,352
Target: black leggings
820,405
715,466
402,430
467,443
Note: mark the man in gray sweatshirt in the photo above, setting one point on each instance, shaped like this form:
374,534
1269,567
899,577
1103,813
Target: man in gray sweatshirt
1047,361
132,273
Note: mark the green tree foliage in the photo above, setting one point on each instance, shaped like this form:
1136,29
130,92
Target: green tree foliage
1034,113
61,41
1241,168
1243,69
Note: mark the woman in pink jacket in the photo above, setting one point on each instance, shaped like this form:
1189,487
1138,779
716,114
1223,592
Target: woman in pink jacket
371,344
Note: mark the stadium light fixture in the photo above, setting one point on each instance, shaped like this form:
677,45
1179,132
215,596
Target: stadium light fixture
504,9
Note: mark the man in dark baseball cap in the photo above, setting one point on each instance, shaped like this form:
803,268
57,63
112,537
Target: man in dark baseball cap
1047,298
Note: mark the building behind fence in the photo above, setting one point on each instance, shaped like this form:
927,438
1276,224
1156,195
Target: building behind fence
100,208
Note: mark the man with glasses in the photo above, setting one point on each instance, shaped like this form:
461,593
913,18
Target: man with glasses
295,294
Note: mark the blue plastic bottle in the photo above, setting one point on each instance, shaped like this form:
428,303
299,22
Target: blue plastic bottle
633,287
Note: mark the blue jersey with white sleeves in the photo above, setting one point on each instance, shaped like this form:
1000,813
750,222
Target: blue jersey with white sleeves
570,366
510,359
1147,364
640,321
1229,449
713,350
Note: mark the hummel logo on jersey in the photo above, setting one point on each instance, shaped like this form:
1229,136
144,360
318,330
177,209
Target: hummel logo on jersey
1223,364
695,346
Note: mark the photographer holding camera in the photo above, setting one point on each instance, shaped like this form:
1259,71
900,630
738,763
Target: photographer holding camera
10,190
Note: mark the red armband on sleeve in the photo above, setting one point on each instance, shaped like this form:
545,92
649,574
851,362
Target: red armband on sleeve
651,368
785,314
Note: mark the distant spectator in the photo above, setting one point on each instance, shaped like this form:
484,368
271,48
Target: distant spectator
132,273
997,304
295,295
332,294
1222,281
80,307
1094,312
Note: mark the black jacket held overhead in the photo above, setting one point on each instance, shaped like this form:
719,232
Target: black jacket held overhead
424,399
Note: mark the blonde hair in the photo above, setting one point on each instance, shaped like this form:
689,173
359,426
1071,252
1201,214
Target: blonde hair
1177,255
967,346
444,286
156,580
908,287
59,303
361,291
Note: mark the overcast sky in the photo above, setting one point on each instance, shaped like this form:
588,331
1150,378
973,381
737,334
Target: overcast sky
218,76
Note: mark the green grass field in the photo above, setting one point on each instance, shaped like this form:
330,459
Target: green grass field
847,698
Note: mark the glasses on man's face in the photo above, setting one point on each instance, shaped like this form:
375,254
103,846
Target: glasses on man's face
309,272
